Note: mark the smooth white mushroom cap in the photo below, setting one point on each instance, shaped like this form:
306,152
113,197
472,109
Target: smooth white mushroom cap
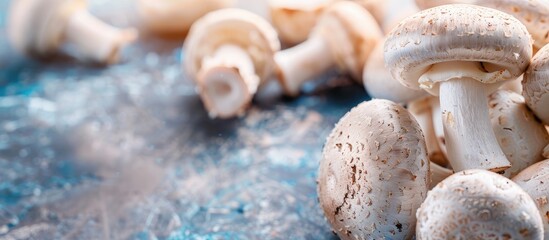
534,180
521,136
458,33
478,204
374,172
176,16
535,85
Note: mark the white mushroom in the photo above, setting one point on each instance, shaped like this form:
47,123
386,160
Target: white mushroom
438,174
478,204
229,53
374,173
535,85
39,28
534,180
438,127
294,20
175,16
461,52
521,136
344,37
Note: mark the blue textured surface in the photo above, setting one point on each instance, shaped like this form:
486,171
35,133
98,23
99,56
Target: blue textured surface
127,152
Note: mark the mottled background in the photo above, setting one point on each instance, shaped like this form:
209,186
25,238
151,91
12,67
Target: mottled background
128,152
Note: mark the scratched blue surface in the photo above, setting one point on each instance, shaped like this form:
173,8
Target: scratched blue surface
127,152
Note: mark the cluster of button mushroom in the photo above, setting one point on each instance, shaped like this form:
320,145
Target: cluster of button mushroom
451,147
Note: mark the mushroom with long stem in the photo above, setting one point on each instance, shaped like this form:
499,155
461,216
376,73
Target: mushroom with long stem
461,53
535,85
344,36
229,54
41,27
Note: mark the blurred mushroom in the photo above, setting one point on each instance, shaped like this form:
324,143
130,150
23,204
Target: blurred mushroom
344,37
39,27
374,173
545,153
478,204
521,136
535,85
438,174
175,16
229,53
294,20
534,181
461,52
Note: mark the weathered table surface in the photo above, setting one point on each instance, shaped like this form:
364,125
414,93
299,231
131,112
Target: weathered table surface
128,151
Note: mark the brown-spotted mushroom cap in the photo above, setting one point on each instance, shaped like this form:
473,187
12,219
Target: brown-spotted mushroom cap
535,85
478,204
229,53
534,181
176,16
534,14
461,52
294,19
374,173
521,136
39,27
344,36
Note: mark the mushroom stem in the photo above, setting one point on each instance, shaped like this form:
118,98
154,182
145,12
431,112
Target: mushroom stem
303,62
95,40
227,81
437,174
422,112
438,129
470,140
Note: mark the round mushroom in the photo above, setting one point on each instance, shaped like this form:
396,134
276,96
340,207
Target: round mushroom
374,172
478,204
521,136
535,85
229,54
294,19
38,28
461,52
344,36
175,17
534,181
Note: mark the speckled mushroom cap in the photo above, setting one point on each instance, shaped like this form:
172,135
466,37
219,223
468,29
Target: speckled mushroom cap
352,32
458,33
478,204
534,180
521,136
231,26
534,14
36,27
374,173
535,85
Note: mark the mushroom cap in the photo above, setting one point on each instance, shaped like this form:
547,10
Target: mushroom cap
175,16
520,135
231,26
458,33
478,204
534,14
379,83
36,27
535,85
374,172
534,181
352,34
294,19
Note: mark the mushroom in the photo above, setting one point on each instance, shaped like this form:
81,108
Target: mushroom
545,153
478,204
438,128
377,8
175,16
535,85
374,173
534,14
229,53
520,135
344,36
294,19
39,28
461,53
438,174
534,181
